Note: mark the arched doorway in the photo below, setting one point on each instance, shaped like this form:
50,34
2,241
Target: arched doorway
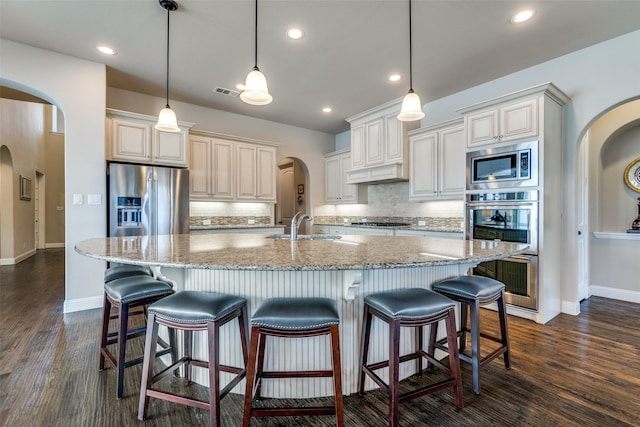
6,207
292,193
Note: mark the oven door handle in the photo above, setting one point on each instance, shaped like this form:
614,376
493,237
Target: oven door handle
519,258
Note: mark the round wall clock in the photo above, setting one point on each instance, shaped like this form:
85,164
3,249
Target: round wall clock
632,175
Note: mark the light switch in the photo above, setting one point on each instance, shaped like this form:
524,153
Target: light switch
77,199
94,199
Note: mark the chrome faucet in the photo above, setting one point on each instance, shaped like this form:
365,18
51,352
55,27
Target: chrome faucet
296,221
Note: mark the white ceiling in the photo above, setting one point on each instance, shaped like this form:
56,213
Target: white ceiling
350,47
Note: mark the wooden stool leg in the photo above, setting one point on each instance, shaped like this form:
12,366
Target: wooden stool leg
337,376
454,357
474,309
464,310
187,348
151,340
214,373
106,316
262,343
419,344
394,376
251,373
243,323
364,347
123,319
502,312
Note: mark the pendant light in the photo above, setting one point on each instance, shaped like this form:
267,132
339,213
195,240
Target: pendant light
411,107
255,87
167,121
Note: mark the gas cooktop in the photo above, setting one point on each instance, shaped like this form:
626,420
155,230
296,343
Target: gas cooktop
381,224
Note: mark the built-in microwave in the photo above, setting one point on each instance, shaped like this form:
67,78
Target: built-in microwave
503,167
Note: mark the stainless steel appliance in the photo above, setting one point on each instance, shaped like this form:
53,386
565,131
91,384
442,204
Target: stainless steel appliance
510,217
147,200
503,167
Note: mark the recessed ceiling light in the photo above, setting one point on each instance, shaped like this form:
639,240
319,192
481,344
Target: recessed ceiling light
523,16
326,110
394,77
295,33
106,50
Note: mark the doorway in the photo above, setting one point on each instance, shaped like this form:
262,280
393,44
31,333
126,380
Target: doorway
6,207
39,211
292,194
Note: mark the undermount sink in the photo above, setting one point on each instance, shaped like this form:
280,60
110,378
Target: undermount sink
306,236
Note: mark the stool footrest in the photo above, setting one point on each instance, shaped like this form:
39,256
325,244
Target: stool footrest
177,399
275,412
296,374
405,397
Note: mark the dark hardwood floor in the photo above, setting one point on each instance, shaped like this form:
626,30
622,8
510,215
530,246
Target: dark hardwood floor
575,371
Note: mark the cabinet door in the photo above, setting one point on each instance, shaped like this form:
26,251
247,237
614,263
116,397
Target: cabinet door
222,169
266,175
394,146
374,142
200,167
348,192
357,146
423,155
332,179
452,162
482,128
169,148
519,120
246,172
131,140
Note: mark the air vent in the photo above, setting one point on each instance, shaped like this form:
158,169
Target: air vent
225,91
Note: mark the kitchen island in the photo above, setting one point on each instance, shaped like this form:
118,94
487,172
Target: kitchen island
345,268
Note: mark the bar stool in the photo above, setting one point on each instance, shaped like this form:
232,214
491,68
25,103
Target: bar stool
126,294
293,318
119,271
473,292
191,311
415,307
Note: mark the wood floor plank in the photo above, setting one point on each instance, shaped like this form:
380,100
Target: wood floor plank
575,371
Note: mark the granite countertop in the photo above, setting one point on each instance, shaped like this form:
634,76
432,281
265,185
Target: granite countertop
238,251
234,227
444,228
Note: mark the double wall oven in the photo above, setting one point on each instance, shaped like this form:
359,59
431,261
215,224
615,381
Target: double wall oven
506,210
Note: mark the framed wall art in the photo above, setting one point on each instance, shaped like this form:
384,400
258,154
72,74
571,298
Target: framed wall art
25,188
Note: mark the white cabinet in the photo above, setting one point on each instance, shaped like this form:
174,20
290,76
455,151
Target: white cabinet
506,123
256,173
437,165
337,190
222,168
379,145
133,138
211,169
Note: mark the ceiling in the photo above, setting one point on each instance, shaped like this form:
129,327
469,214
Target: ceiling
349,49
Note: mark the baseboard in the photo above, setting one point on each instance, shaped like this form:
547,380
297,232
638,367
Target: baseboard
19,258
81,304
615,293
54,245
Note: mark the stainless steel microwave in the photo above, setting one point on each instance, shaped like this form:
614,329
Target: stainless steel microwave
503,167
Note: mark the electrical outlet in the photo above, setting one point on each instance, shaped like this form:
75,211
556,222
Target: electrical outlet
94,199
251,221
345,220
206,222
422,223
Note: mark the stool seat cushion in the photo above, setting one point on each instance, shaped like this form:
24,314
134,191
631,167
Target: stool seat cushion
296,313
134,288
411,303
124,270
470,287
196,306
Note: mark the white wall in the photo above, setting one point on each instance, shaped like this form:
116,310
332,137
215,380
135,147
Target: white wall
77,87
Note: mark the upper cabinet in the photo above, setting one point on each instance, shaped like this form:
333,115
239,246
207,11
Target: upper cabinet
379,145
230,168
437,163
131,137
337,190
506,123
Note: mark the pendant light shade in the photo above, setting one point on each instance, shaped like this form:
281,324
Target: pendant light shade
167,121
255,87
411,107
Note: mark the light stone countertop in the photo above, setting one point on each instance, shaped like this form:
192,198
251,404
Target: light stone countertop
236,251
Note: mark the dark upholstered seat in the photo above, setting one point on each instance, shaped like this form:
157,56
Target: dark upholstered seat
415,307
293,318
473,292
120,271
191,311
126,294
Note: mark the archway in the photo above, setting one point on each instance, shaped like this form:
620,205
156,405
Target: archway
6,207
292,193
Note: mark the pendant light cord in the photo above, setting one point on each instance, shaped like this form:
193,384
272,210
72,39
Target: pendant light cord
256,38
410,53
168,29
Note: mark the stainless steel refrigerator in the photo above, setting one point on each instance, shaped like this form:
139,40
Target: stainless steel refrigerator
147,200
